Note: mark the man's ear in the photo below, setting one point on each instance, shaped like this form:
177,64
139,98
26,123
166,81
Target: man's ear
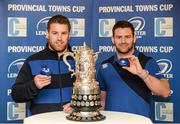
135,38
69,37
46,34
112,40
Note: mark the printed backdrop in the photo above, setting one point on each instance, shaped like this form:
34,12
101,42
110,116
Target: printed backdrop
22,31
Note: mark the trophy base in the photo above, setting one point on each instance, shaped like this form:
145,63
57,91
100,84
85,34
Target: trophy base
86,116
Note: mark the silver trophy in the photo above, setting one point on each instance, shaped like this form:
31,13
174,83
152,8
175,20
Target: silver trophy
85,99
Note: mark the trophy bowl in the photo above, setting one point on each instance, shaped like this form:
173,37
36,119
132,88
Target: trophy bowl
85,99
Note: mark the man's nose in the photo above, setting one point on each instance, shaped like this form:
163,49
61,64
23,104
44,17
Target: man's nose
123,39
59,37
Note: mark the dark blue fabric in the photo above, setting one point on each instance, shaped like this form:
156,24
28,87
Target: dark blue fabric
53,96
120,97
36,66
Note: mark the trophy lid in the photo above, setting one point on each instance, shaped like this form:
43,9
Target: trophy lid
85,48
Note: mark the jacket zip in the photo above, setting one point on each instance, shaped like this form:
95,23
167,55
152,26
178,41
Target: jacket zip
60,83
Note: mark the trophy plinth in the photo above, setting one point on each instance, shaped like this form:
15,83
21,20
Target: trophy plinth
86,94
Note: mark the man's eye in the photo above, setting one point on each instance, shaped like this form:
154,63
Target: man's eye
64,33
54,32
128,37
118,37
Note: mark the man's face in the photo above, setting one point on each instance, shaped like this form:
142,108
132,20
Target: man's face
123,40
58,37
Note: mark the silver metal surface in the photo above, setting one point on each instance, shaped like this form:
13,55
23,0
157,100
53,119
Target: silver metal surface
86,94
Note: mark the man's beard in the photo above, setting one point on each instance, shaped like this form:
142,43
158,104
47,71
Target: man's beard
127,51
56,50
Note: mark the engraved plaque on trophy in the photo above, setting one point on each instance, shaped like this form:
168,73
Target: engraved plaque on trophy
85,99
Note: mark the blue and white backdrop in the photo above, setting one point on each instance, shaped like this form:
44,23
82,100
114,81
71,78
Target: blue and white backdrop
22,29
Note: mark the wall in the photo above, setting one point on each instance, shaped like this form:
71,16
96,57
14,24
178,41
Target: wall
23,22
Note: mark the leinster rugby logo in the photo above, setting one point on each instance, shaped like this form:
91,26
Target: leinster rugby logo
139,24
165,68
41,26
14,68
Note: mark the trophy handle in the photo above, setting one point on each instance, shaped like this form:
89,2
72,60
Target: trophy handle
96,55
65,60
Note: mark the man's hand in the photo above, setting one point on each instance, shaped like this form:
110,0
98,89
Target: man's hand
135,66
67,108
42,81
